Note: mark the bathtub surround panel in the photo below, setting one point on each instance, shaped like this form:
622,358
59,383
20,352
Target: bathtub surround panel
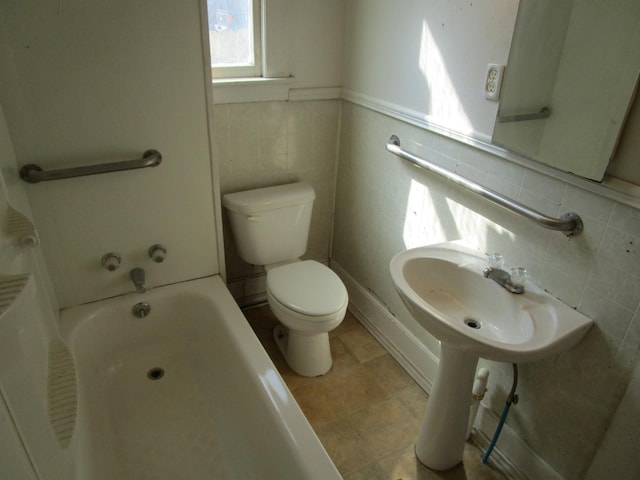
384,205
272,143
94,82
27,333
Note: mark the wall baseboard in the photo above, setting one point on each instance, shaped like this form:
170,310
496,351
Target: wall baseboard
511,455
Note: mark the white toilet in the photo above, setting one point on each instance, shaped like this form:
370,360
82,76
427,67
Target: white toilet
270,227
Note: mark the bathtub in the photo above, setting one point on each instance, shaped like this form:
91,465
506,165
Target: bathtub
186,392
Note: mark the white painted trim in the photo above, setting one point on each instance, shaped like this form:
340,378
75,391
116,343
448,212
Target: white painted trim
611,188
511,454
250,90
320,93
413,117
215,176
243,90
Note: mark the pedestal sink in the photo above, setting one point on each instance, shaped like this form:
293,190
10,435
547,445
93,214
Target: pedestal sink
445,291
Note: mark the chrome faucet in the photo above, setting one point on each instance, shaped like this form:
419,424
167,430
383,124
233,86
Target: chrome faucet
137,277
503,279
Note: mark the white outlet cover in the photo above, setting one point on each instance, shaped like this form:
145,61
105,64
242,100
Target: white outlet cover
493,81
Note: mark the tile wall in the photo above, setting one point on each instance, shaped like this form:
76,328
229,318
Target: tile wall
384,205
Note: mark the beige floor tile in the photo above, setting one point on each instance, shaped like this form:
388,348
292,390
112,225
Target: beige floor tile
414,399
350,322
391,376
316,404
354,391
386,427
345,446
291,378
405,466
362,344
369,472
343,360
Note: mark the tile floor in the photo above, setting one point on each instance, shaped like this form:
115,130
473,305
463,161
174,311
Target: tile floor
367,410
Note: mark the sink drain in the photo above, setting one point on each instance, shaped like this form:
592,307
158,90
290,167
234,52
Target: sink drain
470,322
155,374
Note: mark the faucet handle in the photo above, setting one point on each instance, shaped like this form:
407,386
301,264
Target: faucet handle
111,261
157,252
496,260
518,276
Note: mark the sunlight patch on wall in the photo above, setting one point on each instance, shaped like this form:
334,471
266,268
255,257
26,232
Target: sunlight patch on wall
422,225
476,228
432,217
445,107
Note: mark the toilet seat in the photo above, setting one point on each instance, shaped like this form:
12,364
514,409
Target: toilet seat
308,288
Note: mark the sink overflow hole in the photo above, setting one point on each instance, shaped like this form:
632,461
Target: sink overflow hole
470,322
155,374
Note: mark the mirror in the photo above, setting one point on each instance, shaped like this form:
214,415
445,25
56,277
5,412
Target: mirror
580,60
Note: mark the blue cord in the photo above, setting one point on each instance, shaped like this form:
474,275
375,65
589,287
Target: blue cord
511,398
503,417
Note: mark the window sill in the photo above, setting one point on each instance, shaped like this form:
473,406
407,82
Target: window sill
243,90
251,81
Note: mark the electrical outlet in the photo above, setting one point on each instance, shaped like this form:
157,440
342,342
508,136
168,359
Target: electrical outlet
493,81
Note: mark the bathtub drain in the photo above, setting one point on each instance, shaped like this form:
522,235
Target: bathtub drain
155,373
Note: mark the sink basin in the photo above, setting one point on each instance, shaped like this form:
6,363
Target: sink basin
446,292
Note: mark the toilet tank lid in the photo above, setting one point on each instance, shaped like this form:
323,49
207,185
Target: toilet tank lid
261,199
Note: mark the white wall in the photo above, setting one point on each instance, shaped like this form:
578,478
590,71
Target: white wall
92,82
429,58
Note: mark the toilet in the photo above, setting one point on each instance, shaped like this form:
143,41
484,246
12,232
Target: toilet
270,227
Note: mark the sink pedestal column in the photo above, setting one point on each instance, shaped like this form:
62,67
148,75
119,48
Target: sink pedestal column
443,433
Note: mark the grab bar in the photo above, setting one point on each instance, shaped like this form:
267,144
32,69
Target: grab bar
33,173
522,117
569,223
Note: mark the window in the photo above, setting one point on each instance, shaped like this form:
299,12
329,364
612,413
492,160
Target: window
234,38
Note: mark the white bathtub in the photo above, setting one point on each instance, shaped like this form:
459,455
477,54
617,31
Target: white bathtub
220,411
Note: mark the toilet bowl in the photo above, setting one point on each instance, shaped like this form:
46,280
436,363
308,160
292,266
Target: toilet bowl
270,227
309,300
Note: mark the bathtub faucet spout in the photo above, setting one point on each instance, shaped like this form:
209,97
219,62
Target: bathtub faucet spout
138,277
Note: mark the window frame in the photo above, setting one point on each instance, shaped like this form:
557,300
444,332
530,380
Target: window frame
246,71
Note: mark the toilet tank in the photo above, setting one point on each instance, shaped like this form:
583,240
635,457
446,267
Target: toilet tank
271,225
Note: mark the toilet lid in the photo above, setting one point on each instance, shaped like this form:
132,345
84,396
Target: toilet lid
307,287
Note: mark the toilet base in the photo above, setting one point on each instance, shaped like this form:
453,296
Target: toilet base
308,355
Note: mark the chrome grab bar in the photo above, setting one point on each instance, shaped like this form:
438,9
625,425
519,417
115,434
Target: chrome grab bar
570,223
522,117
33,173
